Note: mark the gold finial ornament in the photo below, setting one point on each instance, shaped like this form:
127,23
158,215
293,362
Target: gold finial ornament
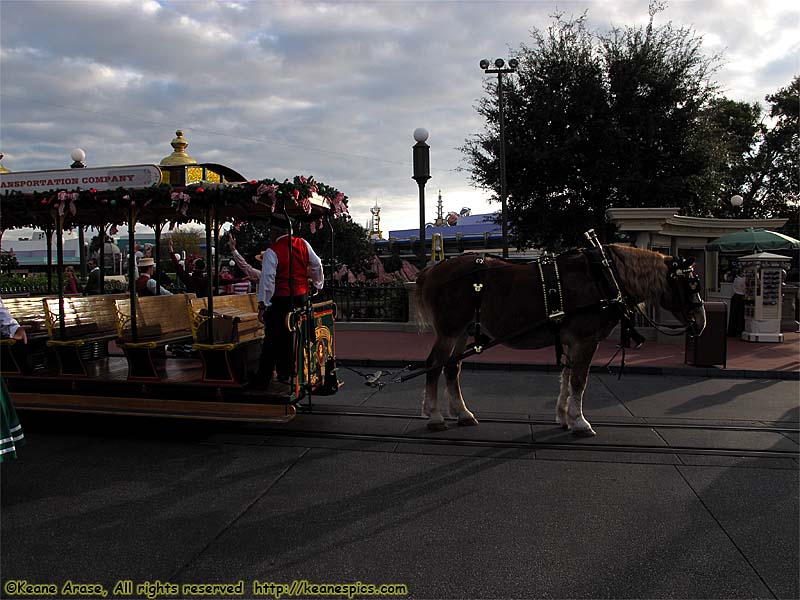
179,156
2,168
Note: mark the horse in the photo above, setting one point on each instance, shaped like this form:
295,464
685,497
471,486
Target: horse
509,301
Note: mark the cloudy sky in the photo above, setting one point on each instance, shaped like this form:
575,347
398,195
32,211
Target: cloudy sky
330,89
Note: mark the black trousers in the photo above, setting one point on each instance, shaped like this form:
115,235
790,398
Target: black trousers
736,318
277,351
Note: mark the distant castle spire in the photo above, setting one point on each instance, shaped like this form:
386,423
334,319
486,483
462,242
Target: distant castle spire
439,212
375,232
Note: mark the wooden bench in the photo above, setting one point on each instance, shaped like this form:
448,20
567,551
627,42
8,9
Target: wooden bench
235,347
15,357
90,323
160,321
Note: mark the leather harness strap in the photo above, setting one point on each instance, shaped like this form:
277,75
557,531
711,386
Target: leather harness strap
553,300
479,339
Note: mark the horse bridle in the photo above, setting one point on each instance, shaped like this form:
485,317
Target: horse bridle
681,270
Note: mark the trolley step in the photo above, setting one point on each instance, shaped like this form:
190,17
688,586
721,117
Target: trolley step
149,407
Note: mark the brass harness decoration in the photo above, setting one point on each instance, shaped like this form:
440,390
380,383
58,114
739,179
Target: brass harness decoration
550,290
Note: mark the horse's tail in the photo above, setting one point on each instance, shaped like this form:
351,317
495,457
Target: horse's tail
422,303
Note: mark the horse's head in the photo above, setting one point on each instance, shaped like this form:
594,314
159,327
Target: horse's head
682,294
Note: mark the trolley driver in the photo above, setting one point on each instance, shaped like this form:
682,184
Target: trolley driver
274,303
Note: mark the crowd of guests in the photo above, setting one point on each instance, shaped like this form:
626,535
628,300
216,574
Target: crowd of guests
240,277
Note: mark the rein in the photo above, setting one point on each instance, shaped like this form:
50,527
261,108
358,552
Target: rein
664,329
475,348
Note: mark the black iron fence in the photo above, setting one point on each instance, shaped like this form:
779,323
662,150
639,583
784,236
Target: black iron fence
358,302
11,286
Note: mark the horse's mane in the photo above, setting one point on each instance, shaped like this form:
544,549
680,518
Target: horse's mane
643,273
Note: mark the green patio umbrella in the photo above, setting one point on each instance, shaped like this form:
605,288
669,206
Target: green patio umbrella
753,240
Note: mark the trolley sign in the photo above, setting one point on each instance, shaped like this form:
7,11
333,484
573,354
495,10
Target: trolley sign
99,178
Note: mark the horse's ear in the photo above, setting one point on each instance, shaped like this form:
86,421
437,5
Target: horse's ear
687,262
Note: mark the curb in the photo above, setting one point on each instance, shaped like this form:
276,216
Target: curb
709,372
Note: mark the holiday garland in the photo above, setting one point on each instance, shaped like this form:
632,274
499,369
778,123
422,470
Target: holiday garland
302,197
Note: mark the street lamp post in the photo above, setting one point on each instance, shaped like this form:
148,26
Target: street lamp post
78,156
500,68
422,173
736,201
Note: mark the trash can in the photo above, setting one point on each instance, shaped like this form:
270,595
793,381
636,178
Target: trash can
710,348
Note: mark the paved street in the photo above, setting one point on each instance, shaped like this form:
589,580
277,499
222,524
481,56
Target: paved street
360,491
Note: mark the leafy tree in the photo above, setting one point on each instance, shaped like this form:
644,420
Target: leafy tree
350,243
185,240
767,176
251,238
737,124
8,262
595,121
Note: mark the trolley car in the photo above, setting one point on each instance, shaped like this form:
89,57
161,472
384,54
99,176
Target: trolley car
70,363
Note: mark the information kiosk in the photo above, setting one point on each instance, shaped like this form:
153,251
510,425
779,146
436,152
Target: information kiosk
762,312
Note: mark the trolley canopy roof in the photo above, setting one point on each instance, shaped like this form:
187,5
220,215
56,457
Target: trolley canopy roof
107,195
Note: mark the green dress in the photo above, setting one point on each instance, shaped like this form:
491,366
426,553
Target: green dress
11,436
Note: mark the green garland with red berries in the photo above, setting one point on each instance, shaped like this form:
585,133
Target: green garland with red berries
302,197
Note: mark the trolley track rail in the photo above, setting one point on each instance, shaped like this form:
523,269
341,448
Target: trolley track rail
596,423
576,445
534,445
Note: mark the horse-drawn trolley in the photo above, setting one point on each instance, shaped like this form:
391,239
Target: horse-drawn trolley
167,355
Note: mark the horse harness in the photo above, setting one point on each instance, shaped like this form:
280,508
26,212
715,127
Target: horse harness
553,299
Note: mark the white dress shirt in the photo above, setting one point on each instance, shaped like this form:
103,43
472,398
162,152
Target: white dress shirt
8,324
739,285
269,267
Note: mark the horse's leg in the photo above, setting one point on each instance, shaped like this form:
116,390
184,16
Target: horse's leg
580,361
452,377
441,351
562,416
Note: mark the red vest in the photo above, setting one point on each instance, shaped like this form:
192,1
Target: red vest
299,266
141,286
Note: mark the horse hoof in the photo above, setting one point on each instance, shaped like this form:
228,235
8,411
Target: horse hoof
564,426
468,422
437,426
583,432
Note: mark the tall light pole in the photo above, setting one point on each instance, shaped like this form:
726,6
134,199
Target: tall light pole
78,156
422,172
500,68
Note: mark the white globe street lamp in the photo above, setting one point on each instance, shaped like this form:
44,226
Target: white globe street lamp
422,173
736,201
78,156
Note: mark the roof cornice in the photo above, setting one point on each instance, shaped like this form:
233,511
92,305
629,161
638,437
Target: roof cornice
668,222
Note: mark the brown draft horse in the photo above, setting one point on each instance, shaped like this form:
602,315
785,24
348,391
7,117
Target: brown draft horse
512,300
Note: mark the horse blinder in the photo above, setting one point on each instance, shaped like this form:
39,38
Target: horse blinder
681,270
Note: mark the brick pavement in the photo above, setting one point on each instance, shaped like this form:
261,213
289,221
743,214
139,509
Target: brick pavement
377,346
